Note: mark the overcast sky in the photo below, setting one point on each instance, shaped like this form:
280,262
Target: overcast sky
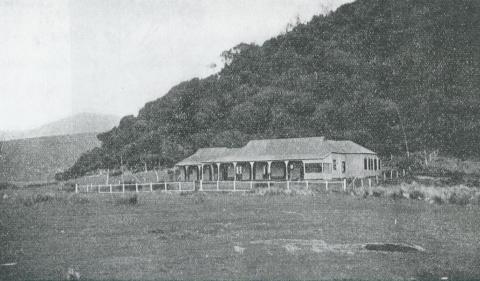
58,57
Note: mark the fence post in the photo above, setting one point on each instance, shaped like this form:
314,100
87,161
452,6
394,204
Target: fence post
234,185
76,188
218,185
251,184
123,187
165,185
391,174
404,172
136,187
345,185
91,187
268,183
151,187
110,188
384,176
369,182
306,183
288,185
179,185
326,185
87,188
201,185
376,179
396,173
361,182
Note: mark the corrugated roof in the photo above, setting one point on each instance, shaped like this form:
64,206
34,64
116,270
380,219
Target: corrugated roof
277,150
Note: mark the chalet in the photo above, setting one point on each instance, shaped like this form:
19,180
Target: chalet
281,159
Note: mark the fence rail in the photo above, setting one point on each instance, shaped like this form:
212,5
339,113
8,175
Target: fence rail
213,186
241,186
138,187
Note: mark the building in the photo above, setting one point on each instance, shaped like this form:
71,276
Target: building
281,159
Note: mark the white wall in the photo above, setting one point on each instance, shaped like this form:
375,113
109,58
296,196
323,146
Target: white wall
355,166
353,163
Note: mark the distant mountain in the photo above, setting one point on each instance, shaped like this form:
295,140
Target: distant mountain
39,159
76,124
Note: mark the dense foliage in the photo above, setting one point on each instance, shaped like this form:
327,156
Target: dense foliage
364,72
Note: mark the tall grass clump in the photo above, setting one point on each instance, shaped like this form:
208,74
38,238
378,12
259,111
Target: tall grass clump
279,191
7,185
458,195
129,200
198,198
39,198
78,199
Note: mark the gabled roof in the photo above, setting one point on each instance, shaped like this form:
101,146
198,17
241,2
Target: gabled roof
205,155
276,150
293,149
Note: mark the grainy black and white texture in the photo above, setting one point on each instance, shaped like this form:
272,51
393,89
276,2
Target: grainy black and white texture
128,128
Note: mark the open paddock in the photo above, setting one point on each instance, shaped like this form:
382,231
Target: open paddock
234,235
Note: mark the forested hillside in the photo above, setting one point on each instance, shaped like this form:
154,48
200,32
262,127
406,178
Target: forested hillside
359,73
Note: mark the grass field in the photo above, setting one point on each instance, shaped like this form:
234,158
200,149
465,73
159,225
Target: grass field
232,236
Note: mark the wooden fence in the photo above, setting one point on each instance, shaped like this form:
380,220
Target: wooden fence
214,186
241,186
138,187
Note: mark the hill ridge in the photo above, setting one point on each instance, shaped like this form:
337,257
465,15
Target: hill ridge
84,122
367,72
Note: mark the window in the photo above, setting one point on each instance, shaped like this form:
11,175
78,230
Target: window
370,164
375,164
365,164
313,167
334,164
379,164
344,167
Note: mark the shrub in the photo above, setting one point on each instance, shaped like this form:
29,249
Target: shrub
377,193
395,194
475,198
38,198
417,195
7,185
437,200
68,187
459,199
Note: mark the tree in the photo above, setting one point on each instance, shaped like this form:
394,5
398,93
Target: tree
394,76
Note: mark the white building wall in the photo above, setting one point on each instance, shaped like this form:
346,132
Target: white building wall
354,167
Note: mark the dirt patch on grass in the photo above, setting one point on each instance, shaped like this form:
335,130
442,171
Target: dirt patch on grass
316,246
393,247
293,246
